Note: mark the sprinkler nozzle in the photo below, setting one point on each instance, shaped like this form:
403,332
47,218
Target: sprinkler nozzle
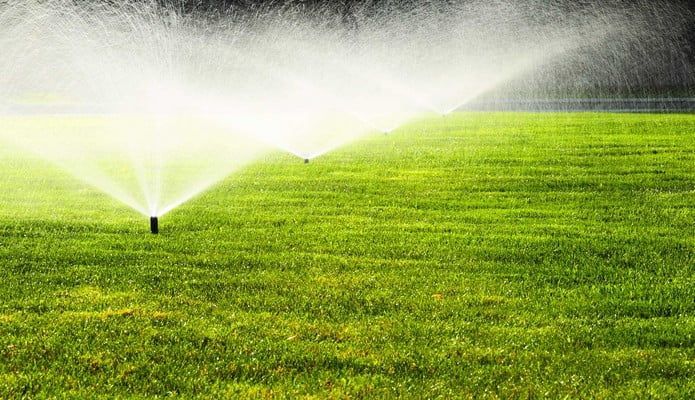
306,161
154,225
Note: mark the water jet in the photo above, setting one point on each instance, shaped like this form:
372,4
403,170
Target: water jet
86,85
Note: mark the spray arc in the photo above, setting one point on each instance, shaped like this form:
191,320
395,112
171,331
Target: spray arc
208,95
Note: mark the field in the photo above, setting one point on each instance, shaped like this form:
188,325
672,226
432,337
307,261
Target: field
477,255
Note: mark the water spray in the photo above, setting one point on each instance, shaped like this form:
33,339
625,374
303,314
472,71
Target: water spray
154,225
204,85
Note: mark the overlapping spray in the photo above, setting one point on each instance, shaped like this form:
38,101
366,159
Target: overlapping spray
153,105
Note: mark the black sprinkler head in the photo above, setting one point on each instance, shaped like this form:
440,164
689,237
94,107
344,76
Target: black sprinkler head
154,225
306,161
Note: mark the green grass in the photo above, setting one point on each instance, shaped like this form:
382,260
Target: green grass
478,255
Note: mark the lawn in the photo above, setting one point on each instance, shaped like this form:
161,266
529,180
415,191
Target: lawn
478,255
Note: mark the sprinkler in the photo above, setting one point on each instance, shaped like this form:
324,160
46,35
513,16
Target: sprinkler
306,161
154,225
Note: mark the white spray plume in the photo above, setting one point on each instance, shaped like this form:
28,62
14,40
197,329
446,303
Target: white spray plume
153,106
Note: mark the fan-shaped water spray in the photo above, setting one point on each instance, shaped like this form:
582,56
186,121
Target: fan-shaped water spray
153,106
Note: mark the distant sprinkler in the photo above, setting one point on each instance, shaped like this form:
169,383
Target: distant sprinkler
154,225
306,161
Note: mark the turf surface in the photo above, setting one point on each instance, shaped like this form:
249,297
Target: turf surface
478,255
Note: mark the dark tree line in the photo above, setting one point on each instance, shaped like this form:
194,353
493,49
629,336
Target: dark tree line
673,76
346,9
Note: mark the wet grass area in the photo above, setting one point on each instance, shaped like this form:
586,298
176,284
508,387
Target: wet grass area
477,255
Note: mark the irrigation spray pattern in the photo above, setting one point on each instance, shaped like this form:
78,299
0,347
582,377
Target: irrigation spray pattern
153,106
